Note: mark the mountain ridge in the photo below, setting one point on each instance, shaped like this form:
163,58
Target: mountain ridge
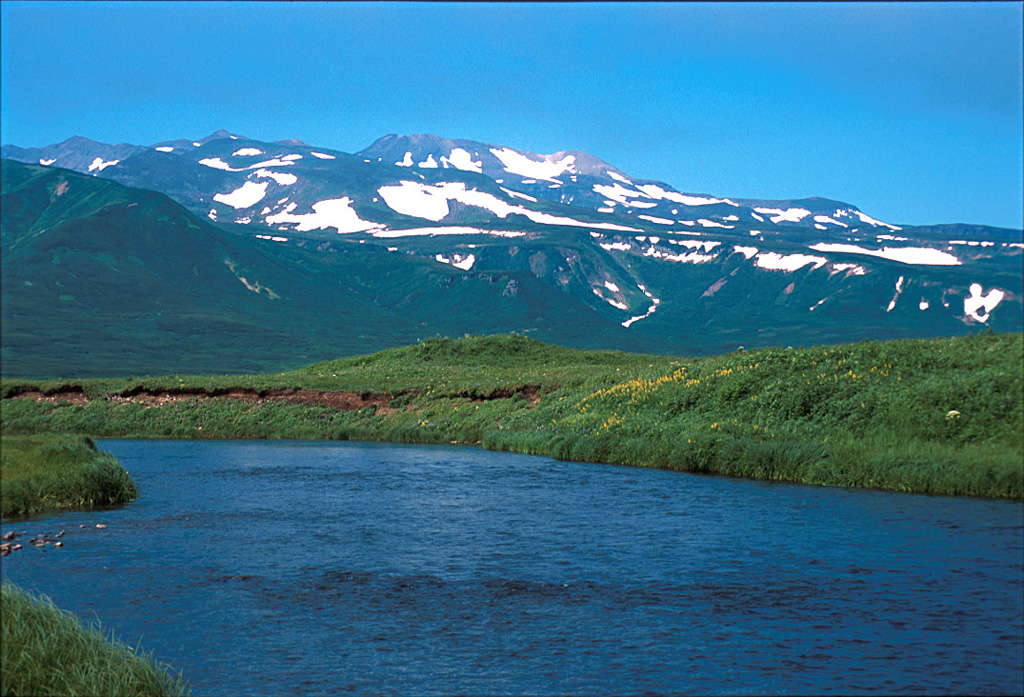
678,272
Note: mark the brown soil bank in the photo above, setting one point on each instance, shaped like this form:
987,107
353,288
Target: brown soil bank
347,401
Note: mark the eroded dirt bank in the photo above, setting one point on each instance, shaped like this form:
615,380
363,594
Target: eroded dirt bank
154,396
346,401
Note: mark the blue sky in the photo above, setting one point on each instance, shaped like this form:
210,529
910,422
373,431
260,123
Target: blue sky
911,111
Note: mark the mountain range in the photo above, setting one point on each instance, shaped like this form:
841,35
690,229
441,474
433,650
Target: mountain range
193,255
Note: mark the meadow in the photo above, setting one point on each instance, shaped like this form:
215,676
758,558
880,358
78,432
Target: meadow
938,416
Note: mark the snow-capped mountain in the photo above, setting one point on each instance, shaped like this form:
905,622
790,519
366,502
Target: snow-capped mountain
649,257
77,153
577,178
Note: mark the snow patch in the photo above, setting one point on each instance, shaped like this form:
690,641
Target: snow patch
745,251
415,199
217,163
461,159
457,260
707,245
976,301
777,215
921,256
407,162
923,305
337,213
617,193
711,223
279,177
47,163
660,221
247,195
453,230
617,246
657,192
611,301
826,219
899,289
773,261
276,162
871,221
165,148
650,311
611,286
852,268
246,152
694,257
325,156
431,203
516,194
100,165
616,175
546,169
429,163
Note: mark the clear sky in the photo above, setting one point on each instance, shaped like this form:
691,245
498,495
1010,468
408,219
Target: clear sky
910,111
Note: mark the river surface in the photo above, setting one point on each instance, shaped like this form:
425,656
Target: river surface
272,568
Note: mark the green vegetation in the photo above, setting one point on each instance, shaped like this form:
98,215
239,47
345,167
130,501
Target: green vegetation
99,279
941,416
47,651
53,471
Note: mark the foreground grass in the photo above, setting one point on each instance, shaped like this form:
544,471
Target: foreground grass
47,651
942,416
47,472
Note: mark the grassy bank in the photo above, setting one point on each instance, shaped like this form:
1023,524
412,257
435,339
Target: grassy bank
50,652
938,416
46,472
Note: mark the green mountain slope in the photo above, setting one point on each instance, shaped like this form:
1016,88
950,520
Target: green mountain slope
101,279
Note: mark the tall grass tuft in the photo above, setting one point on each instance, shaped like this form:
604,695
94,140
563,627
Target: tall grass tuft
47,651
48,472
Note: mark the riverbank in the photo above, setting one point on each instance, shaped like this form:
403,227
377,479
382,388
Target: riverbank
47,651
48,472
941,416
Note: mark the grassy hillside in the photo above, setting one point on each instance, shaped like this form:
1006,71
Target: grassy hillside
936,415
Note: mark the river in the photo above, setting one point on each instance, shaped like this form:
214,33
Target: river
270,568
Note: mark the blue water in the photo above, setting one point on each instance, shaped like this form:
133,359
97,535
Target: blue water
377,569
